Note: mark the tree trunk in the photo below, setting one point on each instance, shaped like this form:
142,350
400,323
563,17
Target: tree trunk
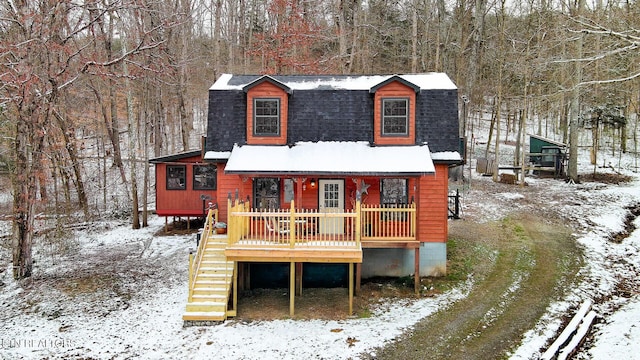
23,204
184,105
491,127
595,138
342,35
575,104
414,37
145,190
135,218
72,151
501,60
114,134
158,120
30,136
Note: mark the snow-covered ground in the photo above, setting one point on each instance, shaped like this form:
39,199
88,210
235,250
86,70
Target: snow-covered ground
62,314
611,275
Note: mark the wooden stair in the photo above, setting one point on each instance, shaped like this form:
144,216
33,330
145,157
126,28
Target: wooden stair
212,284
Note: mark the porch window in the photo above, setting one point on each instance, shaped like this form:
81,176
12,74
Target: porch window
393,193
204,177
395,117
176,177
266,193
266,117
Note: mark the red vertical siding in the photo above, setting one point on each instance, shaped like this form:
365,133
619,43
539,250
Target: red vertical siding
432,201
228,184
186,202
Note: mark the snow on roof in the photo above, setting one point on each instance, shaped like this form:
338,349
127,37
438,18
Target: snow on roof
331,158
217,155
425,81
446,156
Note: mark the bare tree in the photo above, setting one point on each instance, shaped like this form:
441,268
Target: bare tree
45,50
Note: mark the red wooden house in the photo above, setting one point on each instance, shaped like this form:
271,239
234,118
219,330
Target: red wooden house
325,169
185,185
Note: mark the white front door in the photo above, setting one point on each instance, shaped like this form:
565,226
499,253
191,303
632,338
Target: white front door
331,200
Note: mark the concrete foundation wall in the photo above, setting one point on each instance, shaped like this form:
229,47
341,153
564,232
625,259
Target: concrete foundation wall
399,262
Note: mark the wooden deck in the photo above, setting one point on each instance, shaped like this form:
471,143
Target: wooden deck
301,252
268,236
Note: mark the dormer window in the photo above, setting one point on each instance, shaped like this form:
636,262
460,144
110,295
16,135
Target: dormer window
395,117
267,111
266,117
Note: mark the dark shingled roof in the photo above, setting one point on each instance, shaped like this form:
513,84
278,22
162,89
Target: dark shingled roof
335,108
175,157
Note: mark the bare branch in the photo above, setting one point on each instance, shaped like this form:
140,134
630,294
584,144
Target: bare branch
609,81
593,28
633,46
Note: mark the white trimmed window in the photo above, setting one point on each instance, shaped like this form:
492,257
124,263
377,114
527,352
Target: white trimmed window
395,117
266,117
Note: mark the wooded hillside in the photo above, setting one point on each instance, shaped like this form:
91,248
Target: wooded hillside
90,90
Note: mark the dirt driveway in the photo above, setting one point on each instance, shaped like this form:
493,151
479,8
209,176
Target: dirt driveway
519,266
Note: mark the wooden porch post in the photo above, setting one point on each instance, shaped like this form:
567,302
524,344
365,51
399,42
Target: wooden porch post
292,225
241,276
350,288
292,288
235,286
416,263
299,185
247,277
358,277
299,278
358,242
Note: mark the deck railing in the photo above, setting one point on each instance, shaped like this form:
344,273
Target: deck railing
389,222
309,227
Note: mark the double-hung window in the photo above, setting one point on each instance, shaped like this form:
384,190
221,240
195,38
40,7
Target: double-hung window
266,117
395,117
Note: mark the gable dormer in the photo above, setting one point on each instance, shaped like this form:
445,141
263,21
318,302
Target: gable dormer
267,115
394,112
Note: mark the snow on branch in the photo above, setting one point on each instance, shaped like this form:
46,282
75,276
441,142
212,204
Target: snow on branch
609,81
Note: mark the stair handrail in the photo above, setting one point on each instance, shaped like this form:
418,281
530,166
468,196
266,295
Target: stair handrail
194,264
